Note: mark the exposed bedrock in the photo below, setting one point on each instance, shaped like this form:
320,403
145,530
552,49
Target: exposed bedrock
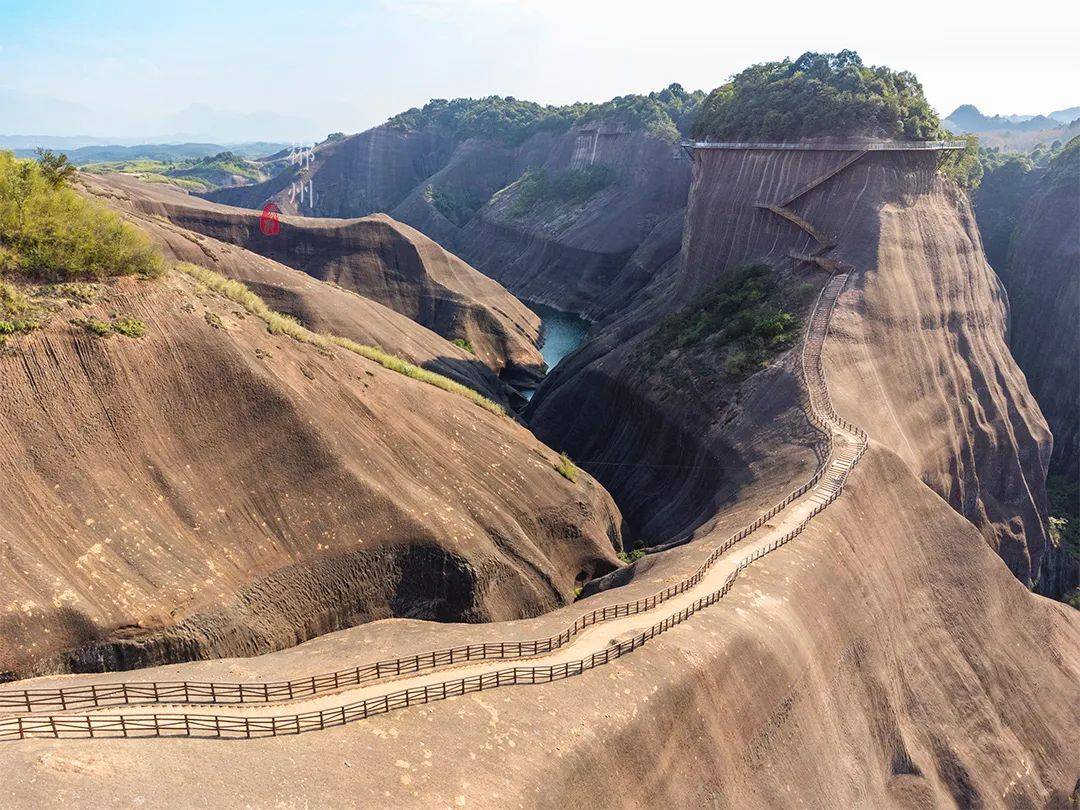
321,306
377,257
885,658
211,489
673,454
918,353
572,253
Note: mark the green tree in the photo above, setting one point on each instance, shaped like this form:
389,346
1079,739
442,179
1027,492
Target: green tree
817,94
55,168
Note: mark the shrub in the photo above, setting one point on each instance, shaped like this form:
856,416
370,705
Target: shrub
94,325
129,327
566,468
629,557
55,168
279,324
457,205
463,343
49,232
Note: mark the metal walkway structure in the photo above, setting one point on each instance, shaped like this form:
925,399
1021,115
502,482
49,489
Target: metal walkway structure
856,150
840,146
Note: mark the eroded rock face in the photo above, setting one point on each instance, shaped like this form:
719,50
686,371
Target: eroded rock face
575,254
920,355
211,489
378,257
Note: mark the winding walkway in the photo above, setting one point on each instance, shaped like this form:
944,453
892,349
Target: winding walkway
333,699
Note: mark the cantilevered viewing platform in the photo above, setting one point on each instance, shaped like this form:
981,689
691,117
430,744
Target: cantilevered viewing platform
826,146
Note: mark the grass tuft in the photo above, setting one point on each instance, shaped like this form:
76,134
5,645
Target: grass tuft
129,327
18,314
463,343
94,325
567,468
279,324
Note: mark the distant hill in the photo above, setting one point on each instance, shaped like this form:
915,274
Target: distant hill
1019,133
966,118
165,152
1066,116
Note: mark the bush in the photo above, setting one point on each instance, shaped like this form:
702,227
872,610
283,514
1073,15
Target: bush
129,327
462,343
48,232
94,325
817,94
630,557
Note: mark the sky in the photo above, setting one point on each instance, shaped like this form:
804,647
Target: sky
278,70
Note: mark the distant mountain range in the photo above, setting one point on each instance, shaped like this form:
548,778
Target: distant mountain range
966,119
24,146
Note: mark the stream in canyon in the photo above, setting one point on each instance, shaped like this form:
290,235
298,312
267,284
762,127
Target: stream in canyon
562,332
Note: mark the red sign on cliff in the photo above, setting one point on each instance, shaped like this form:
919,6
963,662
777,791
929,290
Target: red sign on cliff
268,222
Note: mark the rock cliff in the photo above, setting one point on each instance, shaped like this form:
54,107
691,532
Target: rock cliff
213,489
923,339
571,250
378,257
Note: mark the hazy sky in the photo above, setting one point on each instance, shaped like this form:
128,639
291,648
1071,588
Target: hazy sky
301,69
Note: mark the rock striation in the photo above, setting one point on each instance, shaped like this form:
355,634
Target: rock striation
211,489
377,257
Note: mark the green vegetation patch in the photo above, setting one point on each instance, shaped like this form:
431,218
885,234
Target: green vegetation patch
567,468
1063,494
94,325
630,557
457,205
665,113
128,326
744,316
279,324
570,187
50,233
196,174
817,94
18,314
463,343
120,325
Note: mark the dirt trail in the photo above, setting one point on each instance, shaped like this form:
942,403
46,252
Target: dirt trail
590,647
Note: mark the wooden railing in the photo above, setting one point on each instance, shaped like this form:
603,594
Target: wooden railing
819,411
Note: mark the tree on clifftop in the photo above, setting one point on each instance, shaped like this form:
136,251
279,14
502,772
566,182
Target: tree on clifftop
816,95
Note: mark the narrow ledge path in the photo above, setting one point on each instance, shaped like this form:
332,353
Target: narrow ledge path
334,699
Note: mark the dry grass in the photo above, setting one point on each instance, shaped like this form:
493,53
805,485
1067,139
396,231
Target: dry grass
279,324
567,468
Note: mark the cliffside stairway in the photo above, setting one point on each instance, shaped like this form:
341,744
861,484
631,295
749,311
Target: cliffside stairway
823,240
817,181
